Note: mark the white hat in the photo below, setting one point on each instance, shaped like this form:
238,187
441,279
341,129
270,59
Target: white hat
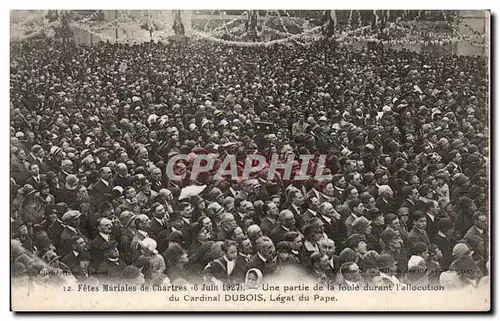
105,221
152,118
192,126
54,150
149,244
118,189
163,119
415,261
323,118
386,109
346,152
135,98
204,121
66,162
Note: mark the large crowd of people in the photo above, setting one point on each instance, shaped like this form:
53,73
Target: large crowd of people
405,136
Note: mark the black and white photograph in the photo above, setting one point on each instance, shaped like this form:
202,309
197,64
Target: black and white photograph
269,160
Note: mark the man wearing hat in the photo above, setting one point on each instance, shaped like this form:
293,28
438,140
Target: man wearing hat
461,187
111,266
392,244
104,227
214,211
476,237
53,224
41,240
146,194
362,226
388,270
71,219
418,233
357,242
175,223
128,232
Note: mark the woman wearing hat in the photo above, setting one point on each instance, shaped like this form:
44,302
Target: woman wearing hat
52,259
176,259
253,279
32,208
20,233
151,263
388,269
133,275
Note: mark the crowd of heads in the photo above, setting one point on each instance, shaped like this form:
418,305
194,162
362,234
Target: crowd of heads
405,135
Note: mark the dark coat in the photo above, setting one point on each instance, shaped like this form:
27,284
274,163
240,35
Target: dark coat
108,270
384,207
73,263
431,227
218,269
296,213
477,242
98,190
410,204
67,240
36,185
266,225
305,218
278,234
267,268
67,196
124,246
417,235
157,186
335,230
96,252
43,166
156,228
54,232
121,181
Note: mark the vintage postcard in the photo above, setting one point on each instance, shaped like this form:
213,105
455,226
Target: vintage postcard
250,160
